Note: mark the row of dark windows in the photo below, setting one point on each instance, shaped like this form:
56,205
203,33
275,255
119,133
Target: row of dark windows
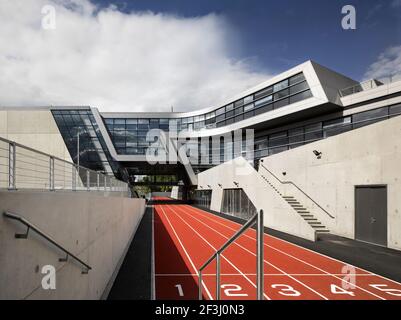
289,139
129,135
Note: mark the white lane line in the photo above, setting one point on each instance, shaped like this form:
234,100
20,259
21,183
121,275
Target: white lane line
196,232
265,261
153,256
266,274
186,253
310,250
300,260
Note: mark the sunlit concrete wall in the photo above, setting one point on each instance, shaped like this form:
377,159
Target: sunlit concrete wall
238,173
34,128
95,228
367,156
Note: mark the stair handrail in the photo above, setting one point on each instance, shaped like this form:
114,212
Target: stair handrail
258,219
292,183
30,225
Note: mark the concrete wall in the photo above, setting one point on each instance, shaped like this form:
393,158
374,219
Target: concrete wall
278,214
35,129
366,156
95,228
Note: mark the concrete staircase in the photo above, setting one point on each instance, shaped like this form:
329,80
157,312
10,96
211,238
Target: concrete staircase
319,228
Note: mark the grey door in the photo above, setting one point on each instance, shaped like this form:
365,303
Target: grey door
371,214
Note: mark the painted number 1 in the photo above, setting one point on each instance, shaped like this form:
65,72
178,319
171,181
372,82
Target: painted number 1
180,291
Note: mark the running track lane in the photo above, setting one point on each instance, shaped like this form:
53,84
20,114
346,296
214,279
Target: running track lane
185,237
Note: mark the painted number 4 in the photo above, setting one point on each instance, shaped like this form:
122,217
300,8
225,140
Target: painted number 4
338,290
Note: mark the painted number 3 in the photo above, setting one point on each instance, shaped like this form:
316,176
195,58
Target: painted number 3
286,290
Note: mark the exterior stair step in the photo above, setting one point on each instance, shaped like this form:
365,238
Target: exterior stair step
318,227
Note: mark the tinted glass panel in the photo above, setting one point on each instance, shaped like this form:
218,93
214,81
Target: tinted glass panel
300,96
369,117
299,87
263,92
280,85
281,103
297,78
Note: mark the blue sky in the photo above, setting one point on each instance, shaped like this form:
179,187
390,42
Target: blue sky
279,34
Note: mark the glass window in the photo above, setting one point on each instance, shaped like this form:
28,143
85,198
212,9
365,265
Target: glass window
300,96
248,107
281,103
108,121
221,124
190,119
395,110
210,115
230,107
281,94
164,121
336,126
299,87
220,111
280,85
143,121
264,92
184,120
239,118
132,121
278,139
239,110
297,78
295,137
248,99
220,118
229,114
229,121
248,114
263,101
369,117
264,109
313,132
239,103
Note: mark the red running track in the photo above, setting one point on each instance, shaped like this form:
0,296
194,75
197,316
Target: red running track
185,237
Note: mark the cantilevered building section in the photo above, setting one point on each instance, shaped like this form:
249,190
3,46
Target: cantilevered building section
302,105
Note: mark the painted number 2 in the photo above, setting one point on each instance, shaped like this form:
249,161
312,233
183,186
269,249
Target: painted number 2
180,291
232,290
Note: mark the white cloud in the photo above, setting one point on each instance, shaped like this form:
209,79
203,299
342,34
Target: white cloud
387,64
396,3
116,61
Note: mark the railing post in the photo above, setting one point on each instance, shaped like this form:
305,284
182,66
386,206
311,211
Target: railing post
12,166
105,183
200,285
259,256
98,180
74,178
88,187
51,173
218,276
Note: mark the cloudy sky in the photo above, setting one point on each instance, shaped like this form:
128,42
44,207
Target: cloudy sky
137,55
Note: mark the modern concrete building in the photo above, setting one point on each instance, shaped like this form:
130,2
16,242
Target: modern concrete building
322,154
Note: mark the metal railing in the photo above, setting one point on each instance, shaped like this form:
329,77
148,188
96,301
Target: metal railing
22,167
30,226
258,219
369,84
293,184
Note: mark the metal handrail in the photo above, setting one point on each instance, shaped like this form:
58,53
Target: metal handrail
292,183
54,163
29,226
258,219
